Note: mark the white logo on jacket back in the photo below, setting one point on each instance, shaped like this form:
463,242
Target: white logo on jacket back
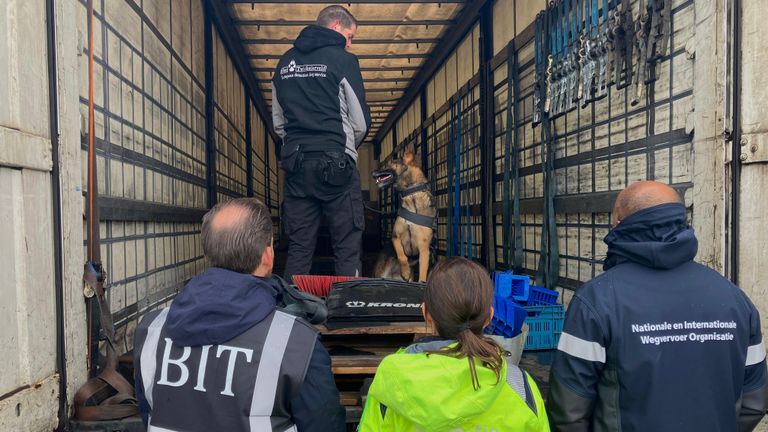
294,70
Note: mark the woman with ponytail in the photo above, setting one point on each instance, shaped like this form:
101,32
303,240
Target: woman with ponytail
457,379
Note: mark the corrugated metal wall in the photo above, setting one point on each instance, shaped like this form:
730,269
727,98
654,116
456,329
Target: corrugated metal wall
599,148
150,100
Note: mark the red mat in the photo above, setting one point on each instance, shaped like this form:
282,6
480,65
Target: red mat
319,285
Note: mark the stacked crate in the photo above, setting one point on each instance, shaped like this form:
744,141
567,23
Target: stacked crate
516,301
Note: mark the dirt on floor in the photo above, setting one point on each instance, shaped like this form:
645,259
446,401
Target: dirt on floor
537,364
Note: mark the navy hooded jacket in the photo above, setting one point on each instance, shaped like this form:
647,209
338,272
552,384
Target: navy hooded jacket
218,305
658,342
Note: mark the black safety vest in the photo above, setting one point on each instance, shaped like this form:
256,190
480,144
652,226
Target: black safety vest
245,384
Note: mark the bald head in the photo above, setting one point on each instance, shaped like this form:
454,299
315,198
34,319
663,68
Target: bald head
236,235
228,217
642,195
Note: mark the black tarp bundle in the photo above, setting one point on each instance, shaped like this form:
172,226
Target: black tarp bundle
374,301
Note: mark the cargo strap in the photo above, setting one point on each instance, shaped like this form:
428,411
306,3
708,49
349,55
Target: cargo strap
456,219
512,168
457,183
107,396
549,259
539,86
623,30
468,252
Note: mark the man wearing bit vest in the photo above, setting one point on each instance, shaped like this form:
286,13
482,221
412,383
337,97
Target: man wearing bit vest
221,357
320,114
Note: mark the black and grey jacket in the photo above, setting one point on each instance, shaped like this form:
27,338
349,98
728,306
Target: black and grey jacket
318,99
222,358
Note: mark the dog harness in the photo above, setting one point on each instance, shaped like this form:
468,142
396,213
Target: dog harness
418,219
414,189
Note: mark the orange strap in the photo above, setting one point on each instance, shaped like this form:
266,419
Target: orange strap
109,396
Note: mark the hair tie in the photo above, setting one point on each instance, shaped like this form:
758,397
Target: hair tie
465,326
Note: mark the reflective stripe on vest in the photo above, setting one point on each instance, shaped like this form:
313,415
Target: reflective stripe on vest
265,388
149,354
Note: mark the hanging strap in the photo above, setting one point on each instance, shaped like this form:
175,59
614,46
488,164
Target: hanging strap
457,183
517,245
542,270
554,249
539,86
666,28
549,258
567,7
559,29
594,17
512,168
468,207
452,241
576,22
448,216
508,146
107,396
588,18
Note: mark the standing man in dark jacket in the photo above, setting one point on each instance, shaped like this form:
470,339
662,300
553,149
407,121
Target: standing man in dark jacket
657,342
222,358
319,111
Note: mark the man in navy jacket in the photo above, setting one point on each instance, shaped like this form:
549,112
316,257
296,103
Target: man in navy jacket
222,357
657,342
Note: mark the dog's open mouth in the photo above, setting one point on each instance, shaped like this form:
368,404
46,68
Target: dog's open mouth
384,177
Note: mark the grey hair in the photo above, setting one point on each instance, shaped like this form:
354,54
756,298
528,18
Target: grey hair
334,13
238,247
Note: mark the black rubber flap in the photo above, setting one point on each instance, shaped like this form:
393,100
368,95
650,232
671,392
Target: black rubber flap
375,300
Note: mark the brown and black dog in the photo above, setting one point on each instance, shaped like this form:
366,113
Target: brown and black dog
413,229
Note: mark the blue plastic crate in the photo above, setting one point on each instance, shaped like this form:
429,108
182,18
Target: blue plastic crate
554,311
541,296
545,325
508,318
498,327
512,286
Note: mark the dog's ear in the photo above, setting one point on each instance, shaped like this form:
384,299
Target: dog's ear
408,157
409,154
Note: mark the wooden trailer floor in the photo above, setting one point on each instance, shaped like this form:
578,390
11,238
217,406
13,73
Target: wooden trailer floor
356,354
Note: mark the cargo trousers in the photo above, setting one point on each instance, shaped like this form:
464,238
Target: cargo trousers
309,197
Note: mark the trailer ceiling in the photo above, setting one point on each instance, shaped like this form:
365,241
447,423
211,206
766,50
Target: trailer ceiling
394,41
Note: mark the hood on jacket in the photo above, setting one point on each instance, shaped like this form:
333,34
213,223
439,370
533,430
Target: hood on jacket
218,305
434,391
657,237
315,36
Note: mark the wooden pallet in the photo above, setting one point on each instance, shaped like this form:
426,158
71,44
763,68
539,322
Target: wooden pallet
356,353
